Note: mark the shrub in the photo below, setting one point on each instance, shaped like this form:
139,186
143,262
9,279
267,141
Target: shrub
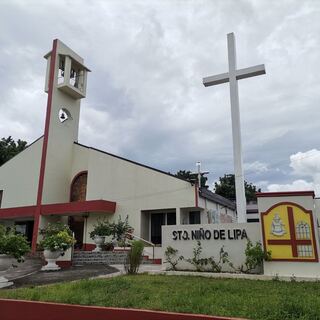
134,257
12,244
120,229
216,266
171,258
102,229
196,261
56,237
254,257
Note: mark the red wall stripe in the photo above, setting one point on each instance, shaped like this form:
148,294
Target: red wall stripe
31,310
44,146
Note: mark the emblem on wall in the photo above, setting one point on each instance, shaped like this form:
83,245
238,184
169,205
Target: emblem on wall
277,226
288,232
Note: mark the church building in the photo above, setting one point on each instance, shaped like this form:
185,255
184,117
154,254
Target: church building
56,178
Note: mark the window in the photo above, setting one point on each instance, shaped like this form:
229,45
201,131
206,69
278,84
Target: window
194,217
1,193
79,187
171,218
302,230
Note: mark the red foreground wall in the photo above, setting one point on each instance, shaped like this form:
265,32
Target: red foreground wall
30,310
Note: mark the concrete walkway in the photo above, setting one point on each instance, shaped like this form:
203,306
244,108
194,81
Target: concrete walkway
22,269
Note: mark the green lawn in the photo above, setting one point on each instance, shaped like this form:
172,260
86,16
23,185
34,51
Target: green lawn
239,298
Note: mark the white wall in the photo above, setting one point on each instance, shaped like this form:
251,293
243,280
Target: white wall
134,188
19,177
235,248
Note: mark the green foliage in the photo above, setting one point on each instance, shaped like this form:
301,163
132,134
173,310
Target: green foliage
102,228
9,148
134,257
172,258
254,257
216,266
188,175
56,237
200,263
121,228
13,244
249,299
118,230
226,187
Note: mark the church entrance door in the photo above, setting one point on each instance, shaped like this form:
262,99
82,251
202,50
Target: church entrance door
76,225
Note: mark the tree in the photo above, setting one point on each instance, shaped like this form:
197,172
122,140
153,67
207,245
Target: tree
226,187
9,148
188,175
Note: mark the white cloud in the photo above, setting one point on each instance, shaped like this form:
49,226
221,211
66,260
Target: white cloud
256,167
304,164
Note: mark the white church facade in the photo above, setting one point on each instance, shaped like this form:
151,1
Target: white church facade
57,178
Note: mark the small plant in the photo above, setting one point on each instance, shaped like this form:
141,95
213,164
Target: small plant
101,229
56,237
12,244
254,257
293,278
134,257
196,261
120,229
276,277
171,258
223,258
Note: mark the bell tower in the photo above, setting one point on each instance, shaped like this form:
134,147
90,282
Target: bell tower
66,81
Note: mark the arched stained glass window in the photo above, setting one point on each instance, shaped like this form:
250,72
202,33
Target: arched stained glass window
79,187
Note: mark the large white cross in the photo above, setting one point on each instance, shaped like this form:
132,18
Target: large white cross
232,76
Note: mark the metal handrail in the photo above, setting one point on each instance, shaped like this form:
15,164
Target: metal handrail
143,240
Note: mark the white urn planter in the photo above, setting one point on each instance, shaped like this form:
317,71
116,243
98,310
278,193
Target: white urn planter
99,242
5,264
51,257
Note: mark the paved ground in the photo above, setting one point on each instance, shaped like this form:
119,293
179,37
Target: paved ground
31,265
28,274
73,273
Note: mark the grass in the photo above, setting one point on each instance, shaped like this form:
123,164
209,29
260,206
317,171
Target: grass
272,300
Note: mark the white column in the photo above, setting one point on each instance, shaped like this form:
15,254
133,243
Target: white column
236,132
178,216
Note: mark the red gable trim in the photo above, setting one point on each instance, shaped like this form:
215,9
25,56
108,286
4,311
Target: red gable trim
285,194
100,206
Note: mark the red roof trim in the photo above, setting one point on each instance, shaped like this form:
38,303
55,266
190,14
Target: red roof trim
102,206
99,206
17,212
285,194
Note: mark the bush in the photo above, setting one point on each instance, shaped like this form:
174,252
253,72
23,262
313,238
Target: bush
56,237
12,244
102,229
120,229
254,257
171,258
196,261
134,257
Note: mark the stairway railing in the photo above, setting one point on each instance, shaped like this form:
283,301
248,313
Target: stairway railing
133,236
